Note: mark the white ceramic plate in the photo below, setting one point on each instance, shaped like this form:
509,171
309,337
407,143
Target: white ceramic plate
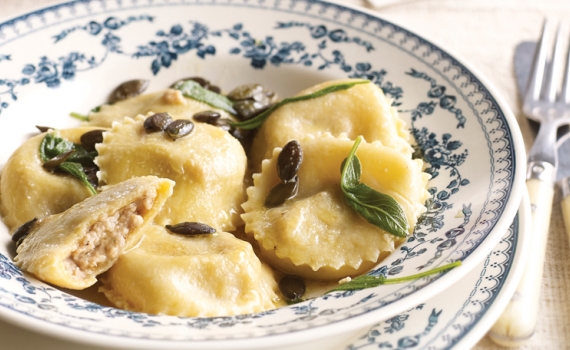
460,316
68,57
457,318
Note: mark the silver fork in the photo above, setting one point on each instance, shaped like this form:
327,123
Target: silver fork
545,104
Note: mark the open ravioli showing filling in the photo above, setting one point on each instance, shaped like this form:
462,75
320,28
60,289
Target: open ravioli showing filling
206,275
362,110
29,191
164,101
316,234
208,166
71,248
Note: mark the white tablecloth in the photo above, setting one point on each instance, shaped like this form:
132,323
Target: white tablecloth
484,33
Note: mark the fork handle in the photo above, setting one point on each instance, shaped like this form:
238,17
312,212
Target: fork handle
518,321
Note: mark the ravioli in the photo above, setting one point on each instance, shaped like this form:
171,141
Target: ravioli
28,191
362,110
206,275
316,234
71,248
208,166
170,100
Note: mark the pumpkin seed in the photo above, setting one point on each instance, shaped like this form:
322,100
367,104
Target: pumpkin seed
203,83
23,231
246,92
281,192
190,228
91,173
292,287
251,99
215,89
209,117
157,122
128,89
289,161
247,108
43,128
245,137
91,138
52,164
179,128
224,124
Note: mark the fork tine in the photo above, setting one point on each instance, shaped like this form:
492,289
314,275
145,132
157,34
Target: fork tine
565,92
537,75
555,69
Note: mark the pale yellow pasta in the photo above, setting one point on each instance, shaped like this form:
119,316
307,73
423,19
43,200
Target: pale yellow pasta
169,100
316,234
361,110
208,166
208,275
29,191
71,248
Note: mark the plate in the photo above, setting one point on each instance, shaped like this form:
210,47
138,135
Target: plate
69,56
457,318
462,315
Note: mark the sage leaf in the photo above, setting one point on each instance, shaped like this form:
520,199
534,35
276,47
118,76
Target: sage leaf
52,146
258,120
377,208
367,281
77,171
192,89
81,155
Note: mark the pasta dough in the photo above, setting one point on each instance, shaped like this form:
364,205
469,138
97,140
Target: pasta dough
29,191
316,234
208,167
71,248
169,100
360,110
207,275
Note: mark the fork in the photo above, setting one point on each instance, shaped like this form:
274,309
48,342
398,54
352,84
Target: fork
545,104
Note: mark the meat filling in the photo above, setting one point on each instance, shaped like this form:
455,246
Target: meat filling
105,239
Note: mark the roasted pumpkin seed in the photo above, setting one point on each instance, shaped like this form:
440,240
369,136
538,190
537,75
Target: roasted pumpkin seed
23,231
179,128
91,173
190,228
292,287
209,117
245,137
52,164
247,109
43,128
91,138
203,83
157,122
128,89
281,192
289,161
246,92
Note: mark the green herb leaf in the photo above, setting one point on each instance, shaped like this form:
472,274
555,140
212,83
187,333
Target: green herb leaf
192,89
52,146
367,281
76,170
377,208
258,120
81,155
82,117
96,109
